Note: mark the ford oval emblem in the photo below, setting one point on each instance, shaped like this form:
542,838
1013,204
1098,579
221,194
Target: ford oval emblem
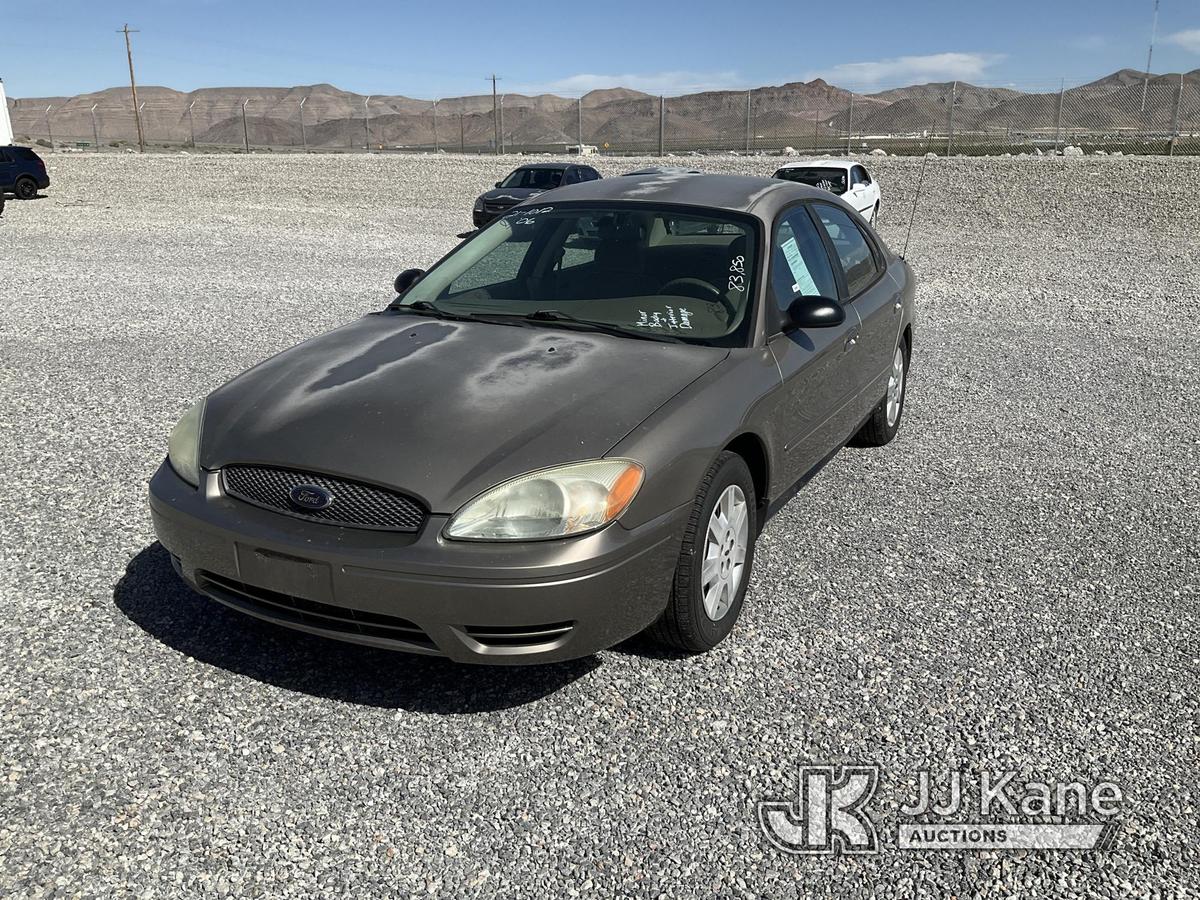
309,497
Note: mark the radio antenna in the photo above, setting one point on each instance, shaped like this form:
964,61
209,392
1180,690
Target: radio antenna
913,214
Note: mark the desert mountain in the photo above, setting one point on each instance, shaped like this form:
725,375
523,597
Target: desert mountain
326,117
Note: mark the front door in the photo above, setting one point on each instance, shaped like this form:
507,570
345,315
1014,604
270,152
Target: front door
816,364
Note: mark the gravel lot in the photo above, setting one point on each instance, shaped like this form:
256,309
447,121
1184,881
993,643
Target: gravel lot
1012,584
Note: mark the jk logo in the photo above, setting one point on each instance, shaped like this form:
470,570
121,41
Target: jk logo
829,816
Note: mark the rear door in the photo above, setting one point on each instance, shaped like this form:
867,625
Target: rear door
816,365
874,297
8,169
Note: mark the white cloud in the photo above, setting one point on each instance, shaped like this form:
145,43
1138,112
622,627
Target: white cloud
910,70
651,83
1188,40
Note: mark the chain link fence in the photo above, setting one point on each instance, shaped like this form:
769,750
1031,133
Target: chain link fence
1158,115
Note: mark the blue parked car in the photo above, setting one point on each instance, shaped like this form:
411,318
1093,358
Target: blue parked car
22,172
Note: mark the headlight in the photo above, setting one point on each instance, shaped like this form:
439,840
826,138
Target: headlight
479,205
552,503
183,449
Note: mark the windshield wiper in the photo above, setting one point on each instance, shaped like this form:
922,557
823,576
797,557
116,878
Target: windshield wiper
554,315
425,308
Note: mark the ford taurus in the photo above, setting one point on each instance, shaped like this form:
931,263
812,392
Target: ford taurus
569,430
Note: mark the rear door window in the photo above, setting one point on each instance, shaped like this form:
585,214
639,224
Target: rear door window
853,250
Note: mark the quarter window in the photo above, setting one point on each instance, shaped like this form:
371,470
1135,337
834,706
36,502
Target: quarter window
799,264
852,248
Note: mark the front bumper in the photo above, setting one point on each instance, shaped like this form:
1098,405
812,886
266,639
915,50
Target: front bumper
508,603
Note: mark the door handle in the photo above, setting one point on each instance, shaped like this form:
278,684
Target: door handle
851,341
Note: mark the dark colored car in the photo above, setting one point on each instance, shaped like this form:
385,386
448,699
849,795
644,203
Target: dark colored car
570,429
22,172
525,183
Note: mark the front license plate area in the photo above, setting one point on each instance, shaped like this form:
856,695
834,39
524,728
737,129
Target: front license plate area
286,574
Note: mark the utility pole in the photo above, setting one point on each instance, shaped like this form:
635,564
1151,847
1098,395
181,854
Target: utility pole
137,111
495,116
950,117
192,124
303,134
580,111
437,144
245,129
367,123
462,133
662,125
1062,90
1175,119
1150,55
95,129
748,94
49,131
502,123
849,124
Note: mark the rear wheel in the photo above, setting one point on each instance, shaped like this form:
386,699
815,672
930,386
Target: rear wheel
714,565
25,188
881,428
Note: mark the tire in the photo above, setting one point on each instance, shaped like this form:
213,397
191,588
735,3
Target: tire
25,189
687,624
874,215
885,419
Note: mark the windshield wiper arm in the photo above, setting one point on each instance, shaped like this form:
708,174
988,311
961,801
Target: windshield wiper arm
554,315
425,308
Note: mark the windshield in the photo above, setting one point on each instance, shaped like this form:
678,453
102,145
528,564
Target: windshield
646,272
828,179
541,179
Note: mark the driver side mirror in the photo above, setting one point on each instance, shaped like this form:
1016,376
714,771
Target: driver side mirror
498,183
813,312
407,279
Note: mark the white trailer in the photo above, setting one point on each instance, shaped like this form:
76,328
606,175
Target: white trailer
6,133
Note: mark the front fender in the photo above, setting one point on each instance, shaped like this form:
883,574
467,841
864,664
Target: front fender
679,441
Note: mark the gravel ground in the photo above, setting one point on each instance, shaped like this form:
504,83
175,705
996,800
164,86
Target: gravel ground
1012,584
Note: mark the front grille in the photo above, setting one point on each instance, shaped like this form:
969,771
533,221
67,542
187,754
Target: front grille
286,608
518,635
498,206
354,504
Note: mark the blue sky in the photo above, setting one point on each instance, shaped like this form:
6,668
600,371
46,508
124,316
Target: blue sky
447,48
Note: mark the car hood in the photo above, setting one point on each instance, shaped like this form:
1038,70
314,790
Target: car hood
440,409
515,194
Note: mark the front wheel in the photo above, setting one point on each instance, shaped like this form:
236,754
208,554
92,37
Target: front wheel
714,565
881,428
25,189
874,215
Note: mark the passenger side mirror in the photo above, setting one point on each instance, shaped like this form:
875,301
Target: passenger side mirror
814,312
498,183
407,279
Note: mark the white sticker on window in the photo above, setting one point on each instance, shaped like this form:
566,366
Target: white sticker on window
804,284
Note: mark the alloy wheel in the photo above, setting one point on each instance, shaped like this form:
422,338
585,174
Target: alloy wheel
895,388
725,544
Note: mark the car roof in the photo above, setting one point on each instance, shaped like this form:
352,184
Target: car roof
663,170
761,197
820,163
545,165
